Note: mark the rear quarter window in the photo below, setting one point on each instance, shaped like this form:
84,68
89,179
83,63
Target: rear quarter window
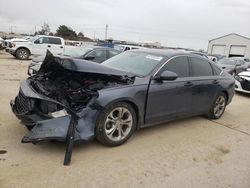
55,41
201,67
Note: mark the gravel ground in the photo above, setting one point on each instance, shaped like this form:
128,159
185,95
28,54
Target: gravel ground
193,152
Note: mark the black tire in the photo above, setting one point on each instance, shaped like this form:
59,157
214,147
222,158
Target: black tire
22,54
221,107
101,126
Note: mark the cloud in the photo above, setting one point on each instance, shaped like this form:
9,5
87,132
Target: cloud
172,22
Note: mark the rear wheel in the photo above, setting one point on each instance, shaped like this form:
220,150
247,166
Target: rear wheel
218,107
116,124
22,54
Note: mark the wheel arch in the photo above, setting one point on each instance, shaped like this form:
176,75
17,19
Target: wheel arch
226,93
132,104
22,47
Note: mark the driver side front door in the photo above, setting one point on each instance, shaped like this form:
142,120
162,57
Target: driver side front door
170,99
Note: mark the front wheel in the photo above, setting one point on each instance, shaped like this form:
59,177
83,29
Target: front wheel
218,107
116,124
22,54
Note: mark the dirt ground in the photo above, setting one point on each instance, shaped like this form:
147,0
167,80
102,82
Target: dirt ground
193,152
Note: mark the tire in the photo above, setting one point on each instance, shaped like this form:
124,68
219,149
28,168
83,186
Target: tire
22,54
116,124
218,107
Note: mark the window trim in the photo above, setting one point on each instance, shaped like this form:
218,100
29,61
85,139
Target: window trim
189,71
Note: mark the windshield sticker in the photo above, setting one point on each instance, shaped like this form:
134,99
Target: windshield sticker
156,58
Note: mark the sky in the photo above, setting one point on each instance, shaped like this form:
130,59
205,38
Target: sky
174,23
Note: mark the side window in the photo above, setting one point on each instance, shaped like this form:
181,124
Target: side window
127,48
55,41
178,65
42,40
113,53
45,40
98,55
201,67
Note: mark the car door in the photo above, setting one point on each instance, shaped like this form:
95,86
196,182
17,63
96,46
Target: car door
55,45
205,85
170,99
97,55
40,46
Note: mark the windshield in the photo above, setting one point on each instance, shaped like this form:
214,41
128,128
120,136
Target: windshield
227,62
138,63
76,51
34,38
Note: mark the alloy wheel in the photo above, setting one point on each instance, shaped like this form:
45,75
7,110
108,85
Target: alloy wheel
219,106
118,124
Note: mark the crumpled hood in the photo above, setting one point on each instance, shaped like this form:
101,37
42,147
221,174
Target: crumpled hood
52,63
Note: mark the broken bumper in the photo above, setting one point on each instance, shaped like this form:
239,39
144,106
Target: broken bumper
48,128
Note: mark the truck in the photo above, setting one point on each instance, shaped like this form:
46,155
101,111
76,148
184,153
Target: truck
38,45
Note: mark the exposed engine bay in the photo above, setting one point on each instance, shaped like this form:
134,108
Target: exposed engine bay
73,89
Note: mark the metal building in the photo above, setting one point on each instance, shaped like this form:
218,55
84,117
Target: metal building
231,45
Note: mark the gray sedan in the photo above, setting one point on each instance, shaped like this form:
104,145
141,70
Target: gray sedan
75,100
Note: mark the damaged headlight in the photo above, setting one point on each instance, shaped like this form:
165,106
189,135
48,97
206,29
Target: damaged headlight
59,113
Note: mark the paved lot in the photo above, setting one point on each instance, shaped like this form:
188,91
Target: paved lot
193,152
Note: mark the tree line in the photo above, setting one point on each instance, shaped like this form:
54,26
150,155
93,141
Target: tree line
62,31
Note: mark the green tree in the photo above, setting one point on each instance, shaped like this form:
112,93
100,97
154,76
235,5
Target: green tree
66,32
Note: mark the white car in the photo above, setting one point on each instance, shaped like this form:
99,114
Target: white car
38,45
127,47
242,81
1,43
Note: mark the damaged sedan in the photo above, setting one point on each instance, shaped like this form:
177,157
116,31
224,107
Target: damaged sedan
75,100
242,81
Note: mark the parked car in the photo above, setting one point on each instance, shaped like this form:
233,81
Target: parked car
215,57
76,100
242,81
127,47
233,65
96,54
1,43
38,45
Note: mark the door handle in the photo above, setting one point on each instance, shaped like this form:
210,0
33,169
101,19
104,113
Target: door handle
215,82
188,84
49,46
61,46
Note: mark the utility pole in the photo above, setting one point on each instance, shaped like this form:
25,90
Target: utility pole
106,31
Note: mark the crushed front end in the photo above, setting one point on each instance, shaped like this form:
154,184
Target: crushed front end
59,102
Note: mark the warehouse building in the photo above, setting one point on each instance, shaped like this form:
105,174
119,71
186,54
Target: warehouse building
231,45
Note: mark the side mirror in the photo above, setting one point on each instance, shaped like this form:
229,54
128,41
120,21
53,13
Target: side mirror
167,75
89,58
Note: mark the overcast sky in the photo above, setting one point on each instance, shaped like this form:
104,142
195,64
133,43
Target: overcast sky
177,23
